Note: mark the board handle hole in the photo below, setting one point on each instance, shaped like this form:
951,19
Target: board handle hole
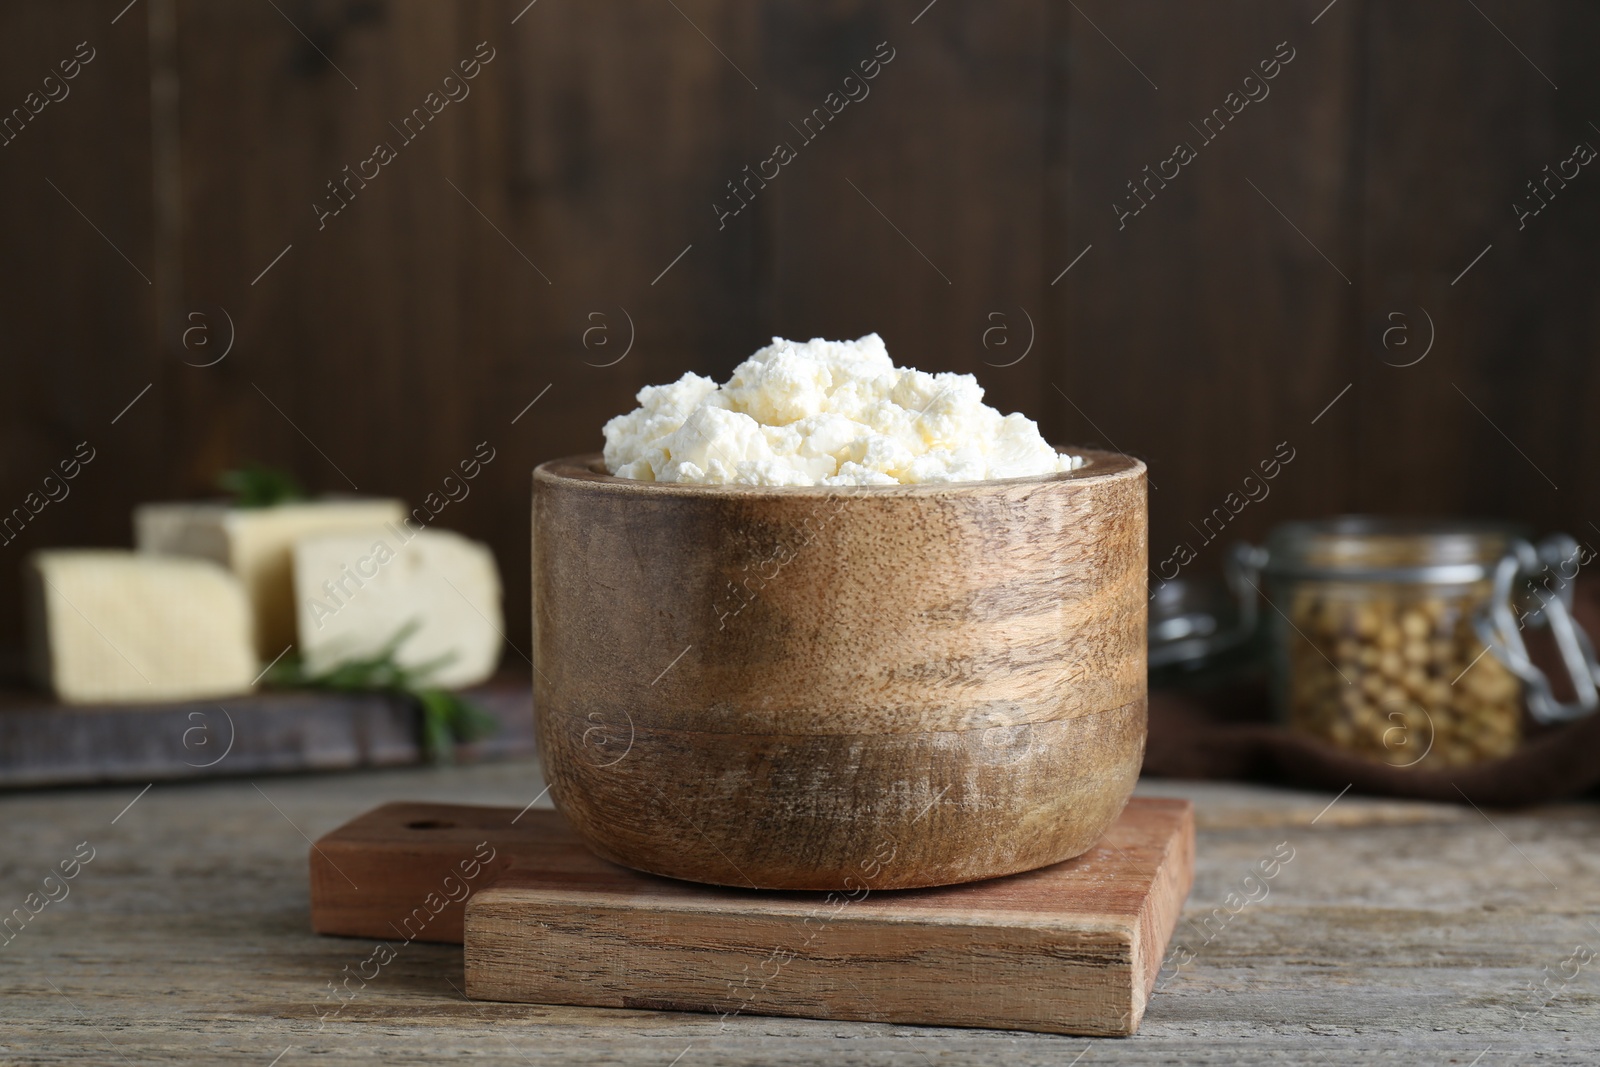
430,824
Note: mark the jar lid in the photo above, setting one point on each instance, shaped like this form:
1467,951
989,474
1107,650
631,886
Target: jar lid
1380,549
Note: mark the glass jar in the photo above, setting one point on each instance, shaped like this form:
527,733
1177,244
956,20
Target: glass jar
1195,623
1400,640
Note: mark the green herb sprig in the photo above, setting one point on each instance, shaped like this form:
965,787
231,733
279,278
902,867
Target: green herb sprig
256,485
447,718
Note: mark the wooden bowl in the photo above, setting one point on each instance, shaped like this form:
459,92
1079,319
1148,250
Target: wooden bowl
840,688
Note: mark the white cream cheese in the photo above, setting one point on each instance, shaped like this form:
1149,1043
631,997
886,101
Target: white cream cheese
825,413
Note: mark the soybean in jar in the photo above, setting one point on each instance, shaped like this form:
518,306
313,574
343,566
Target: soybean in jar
1374,642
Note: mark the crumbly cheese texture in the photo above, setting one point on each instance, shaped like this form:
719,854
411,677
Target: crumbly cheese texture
825,413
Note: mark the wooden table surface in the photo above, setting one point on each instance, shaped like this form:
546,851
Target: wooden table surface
1398,932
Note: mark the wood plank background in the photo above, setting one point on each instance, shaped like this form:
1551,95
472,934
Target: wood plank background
1397,926
941,210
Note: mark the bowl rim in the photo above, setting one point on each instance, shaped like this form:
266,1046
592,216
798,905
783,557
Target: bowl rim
588,469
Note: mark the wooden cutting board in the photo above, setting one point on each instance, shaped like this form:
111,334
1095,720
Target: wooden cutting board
1073,948
44,742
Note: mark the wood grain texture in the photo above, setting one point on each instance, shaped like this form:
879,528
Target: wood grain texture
1402,932
758,687
928,187
1470,426
594,145
1072,948
77,291
1202,330
403,871
419,863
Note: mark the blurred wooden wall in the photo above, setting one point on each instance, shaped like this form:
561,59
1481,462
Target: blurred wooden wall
178,177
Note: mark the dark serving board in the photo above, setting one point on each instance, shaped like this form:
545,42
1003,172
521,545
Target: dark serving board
43,742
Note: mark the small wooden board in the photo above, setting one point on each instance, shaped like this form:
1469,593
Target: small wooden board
1073,948
377,871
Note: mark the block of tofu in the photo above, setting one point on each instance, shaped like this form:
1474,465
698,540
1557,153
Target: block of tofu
109,625
354,592
256,544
